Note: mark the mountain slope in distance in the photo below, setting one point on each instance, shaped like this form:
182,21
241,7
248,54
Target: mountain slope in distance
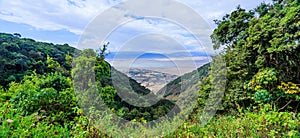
172,90
153,80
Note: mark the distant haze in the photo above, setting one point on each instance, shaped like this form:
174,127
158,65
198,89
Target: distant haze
172,63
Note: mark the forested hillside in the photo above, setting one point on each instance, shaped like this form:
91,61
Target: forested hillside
262,94
21,56
173,89
37,90
262,54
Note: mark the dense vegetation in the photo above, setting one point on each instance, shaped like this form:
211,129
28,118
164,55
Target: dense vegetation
174,88
262,95
42,98
262,53
109,82
21,56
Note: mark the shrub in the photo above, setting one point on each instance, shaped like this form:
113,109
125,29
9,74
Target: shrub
265,123
49,94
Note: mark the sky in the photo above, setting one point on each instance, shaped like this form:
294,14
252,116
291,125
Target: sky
75,21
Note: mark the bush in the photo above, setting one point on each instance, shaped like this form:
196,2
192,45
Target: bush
50,95
265,123
13,124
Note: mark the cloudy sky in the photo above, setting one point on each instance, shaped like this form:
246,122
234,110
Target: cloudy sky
75,21
62,21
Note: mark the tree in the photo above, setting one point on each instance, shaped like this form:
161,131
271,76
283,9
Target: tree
17,34
102,51
263,39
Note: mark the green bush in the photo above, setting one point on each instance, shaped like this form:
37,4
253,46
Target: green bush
14,124
264,123
262,96
50,95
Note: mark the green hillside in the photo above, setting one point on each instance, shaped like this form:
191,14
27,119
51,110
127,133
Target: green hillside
21,56
262,93
38,83
174,88
262,55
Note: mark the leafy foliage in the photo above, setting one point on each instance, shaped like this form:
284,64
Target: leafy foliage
20,56
261,51
14,124
263,123
87,64
50,95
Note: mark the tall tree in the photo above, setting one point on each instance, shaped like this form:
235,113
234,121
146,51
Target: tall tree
258,43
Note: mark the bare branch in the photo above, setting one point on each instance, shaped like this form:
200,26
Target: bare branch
285,105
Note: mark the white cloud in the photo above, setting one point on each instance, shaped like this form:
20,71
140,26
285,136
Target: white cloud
72,15
160,28
75,15
216,9
175,30
182,16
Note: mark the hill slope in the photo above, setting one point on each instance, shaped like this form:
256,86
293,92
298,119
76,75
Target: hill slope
20,56
173,89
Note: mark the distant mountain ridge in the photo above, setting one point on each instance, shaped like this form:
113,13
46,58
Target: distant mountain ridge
129,55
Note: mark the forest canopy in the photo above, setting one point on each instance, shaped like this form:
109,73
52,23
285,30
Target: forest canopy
262,53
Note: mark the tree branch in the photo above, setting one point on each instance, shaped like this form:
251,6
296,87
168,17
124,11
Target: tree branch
285,105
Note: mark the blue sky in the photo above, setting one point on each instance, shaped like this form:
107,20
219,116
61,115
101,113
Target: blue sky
64,21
